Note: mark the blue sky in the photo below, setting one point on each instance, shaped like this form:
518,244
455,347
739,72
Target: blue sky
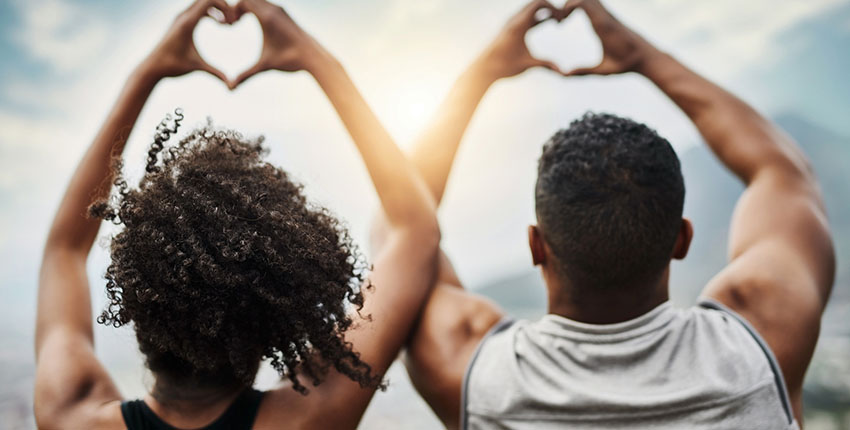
63,62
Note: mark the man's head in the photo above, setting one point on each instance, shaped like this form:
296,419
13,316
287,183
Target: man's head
609,199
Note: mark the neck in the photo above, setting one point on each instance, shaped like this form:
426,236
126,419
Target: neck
190,407
188,395
582,303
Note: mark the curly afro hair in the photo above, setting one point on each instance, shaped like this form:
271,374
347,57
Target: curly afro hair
222,263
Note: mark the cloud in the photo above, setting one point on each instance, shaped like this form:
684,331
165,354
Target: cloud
727,36
63,35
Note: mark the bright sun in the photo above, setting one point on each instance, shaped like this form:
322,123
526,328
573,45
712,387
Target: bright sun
406,106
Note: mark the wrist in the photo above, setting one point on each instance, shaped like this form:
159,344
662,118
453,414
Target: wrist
485,69
317,60
651,62
147,72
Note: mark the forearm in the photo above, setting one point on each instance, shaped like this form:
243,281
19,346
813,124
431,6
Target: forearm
403,195
92,180
63,298
745,141
434,151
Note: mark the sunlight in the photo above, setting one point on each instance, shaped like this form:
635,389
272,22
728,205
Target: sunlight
406,104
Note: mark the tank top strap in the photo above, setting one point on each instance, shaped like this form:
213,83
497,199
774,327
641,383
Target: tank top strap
779,380
500,326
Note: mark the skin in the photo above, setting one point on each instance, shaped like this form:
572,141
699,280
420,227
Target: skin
73,390
781,257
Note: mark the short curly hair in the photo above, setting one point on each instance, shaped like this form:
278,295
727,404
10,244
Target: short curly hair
222,263
609,200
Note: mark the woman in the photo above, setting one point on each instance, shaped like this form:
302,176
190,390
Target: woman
222,263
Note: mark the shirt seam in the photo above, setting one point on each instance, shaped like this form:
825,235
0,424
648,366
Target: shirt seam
766,382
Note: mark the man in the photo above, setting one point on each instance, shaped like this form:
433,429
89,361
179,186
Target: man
612,352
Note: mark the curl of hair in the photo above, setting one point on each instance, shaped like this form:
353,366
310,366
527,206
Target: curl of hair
222,263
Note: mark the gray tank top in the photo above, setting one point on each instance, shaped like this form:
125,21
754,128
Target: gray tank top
697,368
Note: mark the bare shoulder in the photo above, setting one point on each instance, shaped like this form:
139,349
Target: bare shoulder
782,266
72,386
86,414
451,326
777,294
326,406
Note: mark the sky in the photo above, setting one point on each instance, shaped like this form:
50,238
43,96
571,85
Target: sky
62,63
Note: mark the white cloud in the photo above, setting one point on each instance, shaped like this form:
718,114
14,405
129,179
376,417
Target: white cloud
725,37
61,34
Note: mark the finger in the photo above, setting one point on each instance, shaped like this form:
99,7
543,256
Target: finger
206,67
223,7
218,16
240,9
250,6
595,11
584,71
200,9
546,64
530,12
256,68
544,11
569,7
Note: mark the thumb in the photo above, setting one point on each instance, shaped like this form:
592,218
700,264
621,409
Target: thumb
584,71
253,70
546,64
204,66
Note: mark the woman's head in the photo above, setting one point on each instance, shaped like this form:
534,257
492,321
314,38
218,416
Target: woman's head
222,262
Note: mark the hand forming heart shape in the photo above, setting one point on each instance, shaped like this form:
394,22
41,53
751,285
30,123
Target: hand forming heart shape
287,47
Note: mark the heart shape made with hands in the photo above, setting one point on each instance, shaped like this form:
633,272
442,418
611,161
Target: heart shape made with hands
231,48
547,42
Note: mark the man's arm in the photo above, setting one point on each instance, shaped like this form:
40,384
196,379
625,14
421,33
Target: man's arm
404,269
454,321
781,257
71,385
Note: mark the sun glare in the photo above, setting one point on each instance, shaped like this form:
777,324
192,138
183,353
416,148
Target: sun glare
406,105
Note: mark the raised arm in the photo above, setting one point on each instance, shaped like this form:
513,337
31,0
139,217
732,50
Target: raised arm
71,385
404,269
454,321
781,256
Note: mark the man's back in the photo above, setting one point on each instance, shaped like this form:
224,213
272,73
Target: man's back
609,210
668,369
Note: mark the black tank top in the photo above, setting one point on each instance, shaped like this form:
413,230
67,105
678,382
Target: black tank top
239,415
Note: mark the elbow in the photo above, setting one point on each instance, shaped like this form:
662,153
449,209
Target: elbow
422,223
431,232
790,159
425,231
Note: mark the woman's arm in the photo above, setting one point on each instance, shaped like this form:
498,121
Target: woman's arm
68,375
454,320
403,270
